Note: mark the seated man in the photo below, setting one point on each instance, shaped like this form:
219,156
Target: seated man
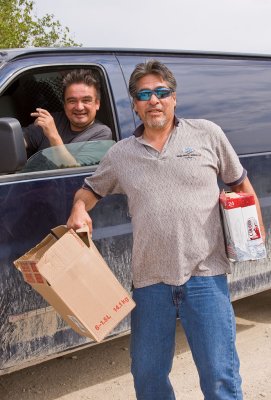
81,95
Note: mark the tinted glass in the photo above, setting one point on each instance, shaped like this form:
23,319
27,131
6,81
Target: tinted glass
236,97
234,93
71,155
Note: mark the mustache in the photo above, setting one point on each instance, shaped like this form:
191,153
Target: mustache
154,109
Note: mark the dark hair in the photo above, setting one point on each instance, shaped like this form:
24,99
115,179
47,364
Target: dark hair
151,67
85,76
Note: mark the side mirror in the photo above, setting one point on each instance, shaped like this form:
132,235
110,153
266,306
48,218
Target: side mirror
12,148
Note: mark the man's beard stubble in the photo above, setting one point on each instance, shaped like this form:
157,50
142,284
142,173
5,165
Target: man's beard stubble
154,123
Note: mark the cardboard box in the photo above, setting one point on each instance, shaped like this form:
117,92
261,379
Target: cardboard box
241,227
68,271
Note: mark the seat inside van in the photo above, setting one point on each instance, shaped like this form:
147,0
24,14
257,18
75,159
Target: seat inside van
8,107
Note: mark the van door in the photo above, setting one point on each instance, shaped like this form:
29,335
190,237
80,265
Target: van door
39,197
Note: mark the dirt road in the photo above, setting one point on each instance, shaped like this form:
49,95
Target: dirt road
102,372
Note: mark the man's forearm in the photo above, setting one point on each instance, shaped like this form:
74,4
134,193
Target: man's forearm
84,200
246,187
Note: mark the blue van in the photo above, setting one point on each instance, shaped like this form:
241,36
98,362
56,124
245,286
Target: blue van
233,90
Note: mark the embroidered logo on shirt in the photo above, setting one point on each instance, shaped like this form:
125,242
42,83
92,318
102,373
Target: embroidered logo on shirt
189,152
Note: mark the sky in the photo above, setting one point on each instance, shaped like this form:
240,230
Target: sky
209,25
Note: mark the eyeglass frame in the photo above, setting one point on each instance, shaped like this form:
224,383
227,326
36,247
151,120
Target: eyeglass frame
167,92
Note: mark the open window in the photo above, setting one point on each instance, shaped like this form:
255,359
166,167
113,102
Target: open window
80,154
42,87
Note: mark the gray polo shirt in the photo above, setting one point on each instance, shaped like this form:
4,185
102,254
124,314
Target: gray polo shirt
173,199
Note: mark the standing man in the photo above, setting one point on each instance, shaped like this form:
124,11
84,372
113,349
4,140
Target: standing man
77,123
168,169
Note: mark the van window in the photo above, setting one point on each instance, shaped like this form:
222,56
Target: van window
234,93
80,154
42,87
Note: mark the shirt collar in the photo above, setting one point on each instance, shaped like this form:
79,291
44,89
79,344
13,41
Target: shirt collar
140,129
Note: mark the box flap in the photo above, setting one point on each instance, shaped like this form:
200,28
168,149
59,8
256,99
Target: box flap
57,260
83,233
59,231
36,252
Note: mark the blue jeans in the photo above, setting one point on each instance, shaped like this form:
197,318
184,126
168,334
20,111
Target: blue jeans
204,308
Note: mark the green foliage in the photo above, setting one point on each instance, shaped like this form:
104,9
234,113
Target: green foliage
19,27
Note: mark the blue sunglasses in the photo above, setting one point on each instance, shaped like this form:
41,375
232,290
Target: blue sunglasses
160,93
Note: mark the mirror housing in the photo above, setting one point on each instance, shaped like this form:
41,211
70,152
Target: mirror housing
12,147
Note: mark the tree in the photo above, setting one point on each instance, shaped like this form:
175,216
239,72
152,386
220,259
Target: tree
19,27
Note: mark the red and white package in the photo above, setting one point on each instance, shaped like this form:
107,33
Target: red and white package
241,227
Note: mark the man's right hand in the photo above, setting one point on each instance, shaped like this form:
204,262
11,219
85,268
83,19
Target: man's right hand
45,120
79,217
83,200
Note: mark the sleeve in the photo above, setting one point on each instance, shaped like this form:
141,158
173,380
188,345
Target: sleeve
33,136
231,170
101,132
104,181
